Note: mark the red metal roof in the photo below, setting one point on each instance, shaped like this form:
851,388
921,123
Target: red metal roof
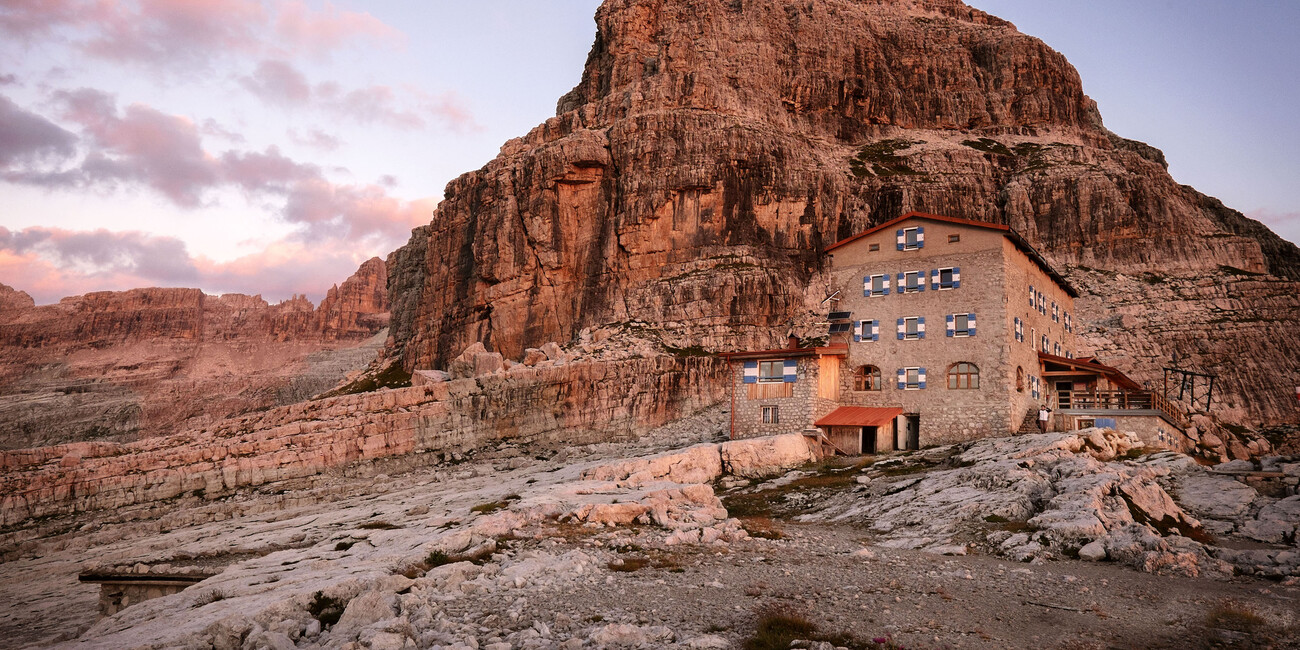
1015,237
859,416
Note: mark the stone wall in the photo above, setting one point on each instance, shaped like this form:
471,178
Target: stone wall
572,404
946,416
796,412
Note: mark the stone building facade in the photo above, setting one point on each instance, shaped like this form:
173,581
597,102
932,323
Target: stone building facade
766,402
940,318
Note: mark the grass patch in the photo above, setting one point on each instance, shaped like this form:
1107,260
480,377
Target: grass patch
391,377
378,525
778,628
628,564
493,506
881,159
1234,616
829,475
325,609
988,145
762,528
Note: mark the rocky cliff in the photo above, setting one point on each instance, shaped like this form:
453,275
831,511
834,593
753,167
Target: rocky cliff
112,365
714,147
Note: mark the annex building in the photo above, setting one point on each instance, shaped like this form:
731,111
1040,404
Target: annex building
941,330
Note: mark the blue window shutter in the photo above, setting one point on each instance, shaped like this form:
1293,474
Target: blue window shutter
902,378
920,280
934,279
886,292
791,371
901,329
970,324
875,330
902,282
751,372
920,327
901,239
921,377
920,237
857,331
866,286
952,326
956,277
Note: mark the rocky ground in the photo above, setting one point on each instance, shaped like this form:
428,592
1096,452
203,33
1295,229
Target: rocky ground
629,546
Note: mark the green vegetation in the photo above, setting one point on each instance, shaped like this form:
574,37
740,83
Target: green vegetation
1234,616
391,377
493,506
777,629
988,145
881,159
378,525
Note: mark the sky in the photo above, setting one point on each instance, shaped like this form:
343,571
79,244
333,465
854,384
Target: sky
271,146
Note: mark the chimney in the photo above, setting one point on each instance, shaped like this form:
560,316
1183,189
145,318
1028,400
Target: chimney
793,342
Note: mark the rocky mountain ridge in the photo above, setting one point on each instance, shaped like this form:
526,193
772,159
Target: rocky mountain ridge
713,148
112,365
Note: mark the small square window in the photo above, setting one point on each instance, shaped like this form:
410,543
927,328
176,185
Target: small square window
873,247
911,239
771,415
912,328
961,325
953,239
771,371
911,282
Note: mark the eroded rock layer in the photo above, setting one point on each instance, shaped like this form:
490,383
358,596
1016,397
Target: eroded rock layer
713,148
112,365
582,402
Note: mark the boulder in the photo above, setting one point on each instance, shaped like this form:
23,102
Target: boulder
370,607
1218,497
698,464
1093,551
765,457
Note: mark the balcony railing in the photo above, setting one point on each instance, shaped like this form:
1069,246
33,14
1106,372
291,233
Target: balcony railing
1120,400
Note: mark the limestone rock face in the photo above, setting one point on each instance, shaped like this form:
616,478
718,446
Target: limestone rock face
713,148
114,365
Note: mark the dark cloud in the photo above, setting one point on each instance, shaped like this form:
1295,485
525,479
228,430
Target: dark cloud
278,82
103,252
28,137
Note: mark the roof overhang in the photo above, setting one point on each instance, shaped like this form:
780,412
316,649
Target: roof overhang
1092,367
859,416
788,353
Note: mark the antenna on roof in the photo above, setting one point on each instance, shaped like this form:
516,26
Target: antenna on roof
833,296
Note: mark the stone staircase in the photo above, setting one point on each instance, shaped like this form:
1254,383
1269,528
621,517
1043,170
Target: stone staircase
1029,424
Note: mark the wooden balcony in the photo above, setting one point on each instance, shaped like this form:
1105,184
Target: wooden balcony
1121,400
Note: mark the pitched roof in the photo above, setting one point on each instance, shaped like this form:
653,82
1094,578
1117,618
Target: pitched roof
1091,364
859,416
1015,237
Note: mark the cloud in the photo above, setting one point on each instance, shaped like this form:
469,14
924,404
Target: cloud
279,83
28,137
174,34
8,80
316,139
142,146
52,263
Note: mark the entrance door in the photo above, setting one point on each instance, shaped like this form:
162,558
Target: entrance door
913,432
869,440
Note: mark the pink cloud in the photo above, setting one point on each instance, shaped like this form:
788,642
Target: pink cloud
320,32
51,264
26,136
170,34
316,139
279,83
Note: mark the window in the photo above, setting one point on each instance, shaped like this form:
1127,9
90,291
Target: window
963,376
873,247
913,239
1056,349
949,278
961,325
911,378
1033,336
953,239
912,282
1020,330
1056,312
1045,346
771,371
875,285
1033,295
911,328
770,415
1020,379
866,378
1069,324
866,330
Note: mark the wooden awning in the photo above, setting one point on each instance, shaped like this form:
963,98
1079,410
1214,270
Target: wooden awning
859,416
1087,365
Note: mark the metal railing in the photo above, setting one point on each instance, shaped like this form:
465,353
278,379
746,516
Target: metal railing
1121,400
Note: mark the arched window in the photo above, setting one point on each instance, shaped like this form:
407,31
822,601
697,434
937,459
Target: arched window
963,375
866,378
1020,379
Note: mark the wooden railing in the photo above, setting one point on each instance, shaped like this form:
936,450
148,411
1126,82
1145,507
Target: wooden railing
1120,400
